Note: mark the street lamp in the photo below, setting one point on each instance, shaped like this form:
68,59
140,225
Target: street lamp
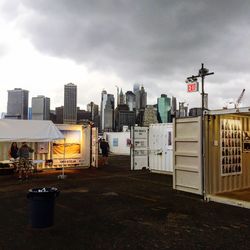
203,72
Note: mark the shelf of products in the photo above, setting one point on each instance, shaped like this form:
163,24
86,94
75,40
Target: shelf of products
231,147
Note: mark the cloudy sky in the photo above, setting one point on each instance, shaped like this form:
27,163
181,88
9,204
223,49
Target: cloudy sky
98,44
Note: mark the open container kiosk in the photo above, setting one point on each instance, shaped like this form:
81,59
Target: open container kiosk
222,173
54,145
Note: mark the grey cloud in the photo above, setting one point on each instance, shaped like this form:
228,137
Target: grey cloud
160,40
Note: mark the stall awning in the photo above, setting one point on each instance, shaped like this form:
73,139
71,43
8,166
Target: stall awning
28,131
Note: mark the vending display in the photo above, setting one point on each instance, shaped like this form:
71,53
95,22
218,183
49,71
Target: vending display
231,146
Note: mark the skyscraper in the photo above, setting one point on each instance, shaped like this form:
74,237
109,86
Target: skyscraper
70,104
124,117
130,100
121,98
150,115
140,98
40,108
17,106
107,111
164,108
143,98
94,110
59,115
136,87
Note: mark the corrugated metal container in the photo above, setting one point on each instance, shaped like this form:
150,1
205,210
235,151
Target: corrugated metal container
161,148
226,153
119,142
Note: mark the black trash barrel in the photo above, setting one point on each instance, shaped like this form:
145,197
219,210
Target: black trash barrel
41,206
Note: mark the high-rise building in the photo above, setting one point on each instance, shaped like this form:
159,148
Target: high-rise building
130,100
121,98
83,116
136,87
70,104
150,115
164,108
143,98
183,110
40,108
17,106
94,110
140,99
104,97
173,106
59,115
124,117
107,111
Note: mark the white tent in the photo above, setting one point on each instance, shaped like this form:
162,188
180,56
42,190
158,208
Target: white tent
28,131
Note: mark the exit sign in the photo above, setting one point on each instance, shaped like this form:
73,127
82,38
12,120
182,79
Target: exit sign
192,87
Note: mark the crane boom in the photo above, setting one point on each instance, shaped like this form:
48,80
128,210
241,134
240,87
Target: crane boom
239,99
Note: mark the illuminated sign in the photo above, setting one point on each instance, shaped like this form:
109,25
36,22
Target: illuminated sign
192,87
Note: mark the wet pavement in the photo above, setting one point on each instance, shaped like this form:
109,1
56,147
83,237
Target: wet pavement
115,208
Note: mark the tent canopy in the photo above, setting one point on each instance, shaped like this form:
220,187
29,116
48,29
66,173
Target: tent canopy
28,131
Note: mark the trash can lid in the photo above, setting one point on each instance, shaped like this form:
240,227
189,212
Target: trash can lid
43,190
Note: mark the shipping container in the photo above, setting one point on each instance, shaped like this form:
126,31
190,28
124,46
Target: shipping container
223,173
119,142
161,148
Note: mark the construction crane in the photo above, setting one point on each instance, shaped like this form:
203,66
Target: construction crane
237,103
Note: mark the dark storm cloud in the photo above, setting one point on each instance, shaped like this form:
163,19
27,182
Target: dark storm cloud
142,37
148,40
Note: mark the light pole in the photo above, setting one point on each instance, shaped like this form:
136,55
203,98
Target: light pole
203,72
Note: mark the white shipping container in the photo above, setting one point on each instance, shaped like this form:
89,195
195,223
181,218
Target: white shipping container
161,148
119,142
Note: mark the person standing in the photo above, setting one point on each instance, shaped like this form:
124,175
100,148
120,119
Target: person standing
24,164
13,155
104,145
13,152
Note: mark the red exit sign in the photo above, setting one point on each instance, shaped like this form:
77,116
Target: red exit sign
192,87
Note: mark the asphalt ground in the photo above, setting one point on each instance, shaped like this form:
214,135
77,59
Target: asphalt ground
115,208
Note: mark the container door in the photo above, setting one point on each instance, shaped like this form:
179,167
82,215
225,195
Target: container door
187,175
94,140
139,148
168,149
156,149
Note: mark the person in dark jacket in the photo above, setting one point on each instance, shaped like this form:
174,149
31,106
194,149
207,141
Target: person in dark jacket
104,145
24,164
13,152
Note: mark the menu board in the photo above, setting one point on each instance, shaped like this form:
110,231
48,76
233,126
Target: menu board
231,147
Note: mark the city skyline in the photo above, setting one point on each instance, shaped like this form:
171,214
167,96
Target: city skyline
80,105
45,45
